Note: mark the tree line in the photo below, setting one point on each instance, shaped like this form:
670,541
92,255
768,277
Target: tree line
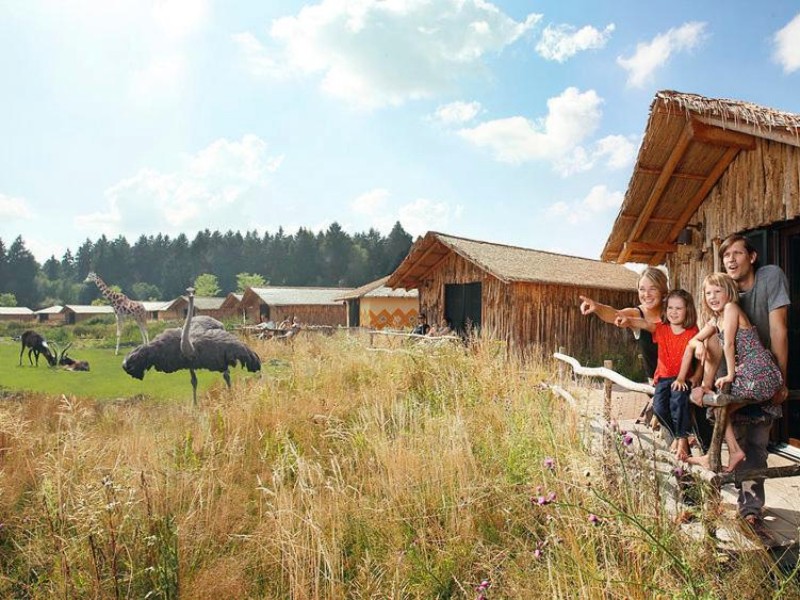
158,267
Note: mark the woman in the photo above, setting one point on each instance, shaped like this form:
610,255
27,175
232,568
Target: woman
652,288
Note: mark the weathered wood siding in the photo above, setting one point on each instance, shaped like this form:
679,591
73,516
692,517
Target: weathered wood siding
533,314
309,314
759,188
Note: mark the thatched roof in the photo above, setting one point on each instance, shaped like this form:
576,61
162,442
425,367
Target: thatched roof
155,306
86,309
50,310
200,303
295,296
15,311
378,289
688,144
509,263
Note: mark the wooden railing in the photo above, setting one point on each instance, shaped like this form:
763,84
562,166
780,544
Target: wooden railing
715,449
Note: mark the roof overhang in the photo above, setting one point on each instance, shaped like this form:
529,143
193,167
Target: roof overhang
688,144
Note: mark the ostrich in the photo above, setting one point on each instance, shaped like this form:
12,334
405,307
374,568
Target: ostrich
202,343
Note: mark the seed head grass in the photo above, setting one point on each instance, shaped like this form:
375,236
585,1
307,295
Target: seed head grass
402,471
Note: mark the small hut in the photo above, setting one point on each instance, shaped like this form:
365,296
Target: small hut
155,309
210,306
51,314
232,306
311,305
16,313
708,168
378,306
523,296
75,313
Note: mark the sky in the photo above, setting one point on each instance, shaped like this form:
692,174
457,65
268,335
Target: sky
511,122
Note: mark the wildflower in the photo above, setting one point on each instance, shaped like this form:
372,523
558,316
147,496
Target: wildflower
481,588
594,519
537,554
627,439
551,497
679,472
541,501
549,463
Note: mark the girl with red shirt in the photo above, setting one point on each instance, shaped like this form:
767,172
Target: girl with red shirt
672,335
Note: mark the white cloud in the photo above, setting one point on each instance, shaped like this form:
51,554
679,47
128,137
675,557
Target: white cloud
371,202
12,208
615,151
385,53
457,113
423,215
181,18
219,185
598,201
652,55
571,117
373,209
561,42
787,46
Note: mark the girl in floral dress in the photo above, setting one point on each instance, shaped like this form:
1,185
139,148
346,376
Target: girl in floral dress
751,370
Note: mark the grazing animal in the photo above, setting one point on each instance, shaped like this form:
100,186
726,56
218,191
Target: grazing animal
36,345
123,307
69,363
202,343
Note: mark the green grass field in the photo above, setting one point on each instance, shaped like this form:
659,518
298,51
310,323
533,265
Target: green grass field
105,380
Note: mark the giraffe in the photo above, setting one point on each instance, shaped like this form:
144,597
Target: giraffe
123,307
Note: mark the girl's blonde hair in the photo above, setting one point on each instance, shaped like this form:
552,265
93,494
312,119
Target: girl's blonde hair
724,281
691,312
658,277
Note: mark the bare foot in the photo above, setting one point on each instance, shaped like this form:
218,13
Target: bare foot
682,449
699,460
734,460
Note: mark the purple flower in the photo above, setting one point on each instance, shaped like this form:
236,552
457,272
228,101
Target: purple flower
537,554
551,497
541,501
549,463
627,439
679,472
594,519
483,586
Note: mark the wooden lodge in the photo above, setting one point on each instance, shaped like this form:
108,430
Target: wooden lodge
51,315
523,296
210,306
76,313
377,306
311,305
708,168
232,306
16,313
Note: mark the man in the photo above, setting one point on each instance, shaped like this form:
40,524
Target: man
764,297
422,327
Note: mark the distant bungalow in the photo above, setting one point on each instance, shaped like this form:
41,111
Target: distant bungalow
523,296
377,306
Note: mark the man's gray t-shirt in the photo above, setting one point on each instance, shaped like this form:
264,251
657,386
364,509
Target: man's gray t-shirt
769,292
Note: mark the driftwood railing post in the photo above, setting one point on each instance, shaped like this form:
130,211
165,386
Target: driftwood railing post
607,383
561,369
715,448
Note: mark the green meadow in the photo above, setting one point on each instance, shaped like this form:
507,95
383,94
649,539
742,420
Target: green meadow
104,381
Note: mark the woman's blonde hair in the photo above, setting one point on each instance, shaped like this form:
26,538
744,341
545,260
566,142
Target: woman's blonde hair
724,281
691,312
658,277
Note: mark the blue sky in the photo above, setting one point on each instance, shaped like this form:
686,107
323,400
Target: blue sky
512,122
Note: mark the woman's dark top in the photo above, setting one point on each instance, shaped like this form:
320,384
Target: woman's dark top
648,348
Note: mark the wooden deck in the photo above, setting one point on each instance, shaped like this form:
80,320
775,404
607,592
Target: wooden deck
782,513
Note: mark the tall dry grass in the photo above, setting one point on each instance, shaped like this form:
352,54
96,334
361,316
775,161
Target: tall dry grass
344,472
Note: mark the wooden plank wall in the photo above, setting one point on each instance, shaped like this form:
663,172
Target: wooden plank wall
759,188
532,314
